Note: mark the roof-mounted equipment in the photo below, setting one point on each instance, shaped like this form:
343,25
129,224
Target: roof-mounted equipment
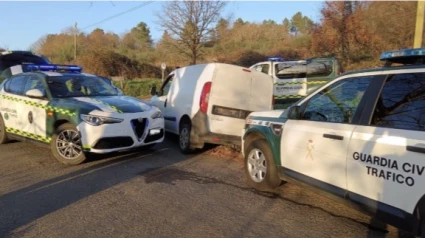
404,57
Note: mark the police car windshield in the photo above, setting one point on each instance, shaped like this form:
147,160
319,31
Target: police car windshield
79,86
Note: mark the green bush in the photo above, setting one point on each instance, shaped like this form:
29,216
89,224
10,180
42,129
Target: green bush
139,88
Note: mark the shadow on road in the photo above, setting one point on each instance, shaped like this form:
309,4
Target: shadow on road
25,205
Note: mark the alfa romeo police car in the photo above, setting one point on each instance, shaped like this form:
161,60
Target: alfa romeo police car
74,113
360,138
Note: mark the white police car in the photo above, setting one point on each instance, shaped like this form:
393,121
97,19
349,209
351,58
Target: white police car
74,113
360,138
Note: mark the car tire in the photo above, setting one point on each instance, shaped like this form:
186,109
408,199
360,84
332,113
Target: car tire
66,141
3,134
422,228
259,166
184,138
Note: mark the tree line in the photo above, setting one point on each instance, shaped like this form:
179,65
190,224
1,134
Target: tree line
195,32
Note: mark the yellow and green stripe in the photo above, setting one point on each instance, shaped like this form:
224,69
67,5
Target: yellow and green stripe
28,135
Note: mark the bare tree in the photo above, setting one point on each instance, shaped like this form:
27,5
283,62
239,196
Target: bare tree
191,23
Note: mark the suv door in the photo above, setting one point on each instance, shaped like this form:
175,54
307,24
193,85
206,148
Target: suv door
36,117
314,147
11,106
386,157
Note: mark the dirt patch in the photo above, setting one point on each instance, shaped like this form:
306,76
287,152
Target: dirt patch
226,151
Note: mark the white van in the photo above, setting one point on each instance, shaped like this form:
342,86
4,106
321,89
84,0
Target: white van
208,103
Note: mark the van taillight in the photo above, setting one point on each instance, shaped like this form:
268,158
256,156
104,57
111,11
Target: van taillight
273,100
205,95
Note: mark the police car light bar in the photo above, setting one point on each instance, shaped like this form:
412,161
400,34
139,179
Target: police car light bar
55,67
277,58
405,56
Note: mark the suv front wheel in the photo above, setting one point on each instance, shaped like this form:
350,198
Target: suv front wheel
260,168
66,145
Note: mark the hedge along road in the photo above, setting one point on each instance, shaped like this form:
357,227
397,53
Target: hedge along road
159,193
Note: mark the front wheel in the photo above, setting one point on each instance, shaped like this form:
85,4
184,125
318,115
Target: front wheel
260,168
66,145
3,134
423,228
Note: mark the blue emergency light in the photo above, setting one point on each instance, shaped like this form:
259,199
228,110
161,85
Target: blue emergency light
404,56
55,67
276,58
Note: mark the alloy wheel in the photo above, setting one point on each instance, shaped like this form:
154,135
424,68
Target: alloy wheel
257,166
68,144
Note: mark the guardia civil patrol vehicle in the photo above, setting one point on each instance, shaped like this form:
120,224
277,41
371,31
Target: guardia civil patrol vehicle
294,79
360,138
74,113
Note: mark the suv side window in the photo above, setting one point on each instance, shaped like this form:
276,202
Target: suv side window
322,68
338,102
401,104
34,83
15,85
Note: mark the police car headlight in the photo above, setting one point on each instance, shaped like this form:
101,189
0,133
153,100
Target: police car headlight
157,114
98,120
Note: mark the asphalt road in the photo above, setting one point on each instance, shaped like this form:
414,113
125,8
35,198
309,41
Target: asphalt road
159,193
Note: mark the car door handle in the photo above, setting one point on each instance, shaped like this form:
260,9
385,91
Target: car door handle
165,102
415,149
335,137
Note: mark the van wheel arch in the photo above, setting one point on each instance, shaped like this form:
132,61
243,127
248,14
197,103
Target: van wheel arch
185,119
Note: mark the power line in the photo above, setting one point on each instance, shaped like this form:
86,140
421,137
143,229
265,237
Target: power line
117,15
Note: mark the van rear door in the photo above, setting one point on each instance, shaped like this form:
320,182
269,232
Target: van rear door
261,92
229,101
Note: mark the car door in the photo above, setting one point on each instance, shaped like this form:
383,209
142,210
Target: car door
386,157
314,147
12,106
162,101
34,113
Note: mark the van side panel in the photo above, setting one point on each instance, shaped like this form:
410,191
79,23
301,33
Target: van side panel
229,100
184,93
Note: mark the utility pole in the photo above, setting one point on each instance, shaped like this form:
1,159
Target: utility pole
419,31
75,41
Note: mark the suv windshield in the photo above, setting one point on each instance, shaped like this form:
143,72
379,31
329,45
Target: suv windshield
79,86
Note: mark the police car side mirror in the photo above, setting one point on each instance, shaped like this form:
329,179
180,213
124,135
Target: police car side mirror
35,93
294,112
153,91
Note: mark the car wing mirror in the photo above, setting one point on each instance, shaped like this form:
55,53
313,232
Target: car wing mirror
294,112
153,90
35,93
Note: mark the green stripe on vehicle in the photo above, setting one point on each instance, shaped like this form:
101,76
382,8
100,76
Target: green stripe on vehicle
34,104
28,135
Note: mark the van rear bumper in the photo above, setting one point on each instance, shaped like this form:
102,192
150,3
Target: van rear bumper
213,138
200,135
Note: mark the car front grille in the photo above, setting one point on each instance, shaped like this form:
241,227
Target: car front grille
139,126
